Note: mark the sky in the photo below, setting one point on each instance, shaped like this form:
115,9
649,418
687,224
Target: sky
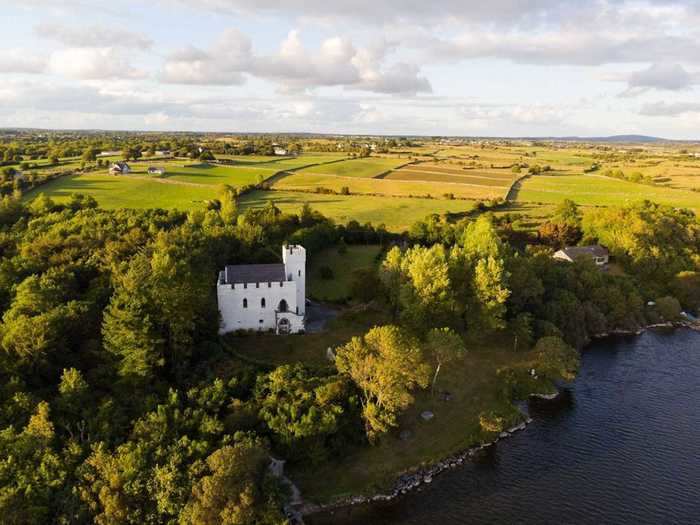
399,67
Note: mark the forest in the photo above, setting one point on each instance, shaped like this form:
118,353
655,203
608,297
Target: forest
121,404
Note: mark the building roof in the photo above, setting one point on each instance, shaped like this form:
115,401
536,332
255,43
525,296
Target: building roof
594,250
254,273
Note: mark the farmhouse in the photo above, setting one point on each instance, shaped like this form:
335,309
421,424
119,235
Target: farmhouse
279,150
270,297
119,168
156,171
598,254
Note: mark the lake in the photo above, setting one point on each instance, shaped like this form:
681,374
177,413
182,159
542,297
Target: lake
620,446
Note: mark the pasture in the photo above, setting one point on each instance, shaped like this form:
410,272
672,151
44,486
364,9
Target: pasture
385,186
113,192
598,190
396,214
361,168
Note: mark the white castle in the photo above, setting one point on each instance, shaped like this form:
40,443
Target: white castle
265,296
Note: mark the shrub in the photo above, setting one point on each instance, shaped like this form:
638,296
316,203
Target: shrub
326,273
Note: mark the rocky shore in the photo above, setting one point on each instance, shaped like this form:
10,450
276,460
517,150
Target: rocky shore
411,481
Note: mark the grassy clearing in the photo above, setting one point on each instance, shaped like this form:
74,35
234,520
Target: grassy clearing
386,186
362,168
396,214
342,266
124,192
600,191
309,349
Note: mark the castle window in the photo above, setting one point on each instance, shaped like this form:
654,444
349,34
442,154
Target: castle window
299,273
262,303
245,303
282,306
269,285
257,285
245,285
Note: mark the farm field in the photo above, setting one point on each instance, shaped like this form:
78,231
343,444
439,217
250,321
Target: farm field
465,177
210,174
342,265
386,186
126,192
396,214
361,168
600,191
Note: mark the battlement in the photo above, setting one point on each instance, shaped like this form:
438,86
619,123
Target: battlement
253,286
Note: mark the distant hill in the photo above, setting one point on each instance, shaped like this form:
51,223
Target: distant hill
619,139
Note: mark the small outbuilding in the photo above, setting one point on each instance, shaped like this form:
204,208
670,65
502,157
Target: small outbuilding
280,151
156,171
119,168
598,254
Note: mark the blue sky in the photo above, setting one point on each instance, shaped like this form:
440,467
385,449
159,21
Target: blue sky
445,67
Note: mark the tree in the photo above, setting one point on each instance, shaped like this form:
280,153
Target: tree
669,308
296,405
522,330
490,292
233,490
556,359
386,365
445,346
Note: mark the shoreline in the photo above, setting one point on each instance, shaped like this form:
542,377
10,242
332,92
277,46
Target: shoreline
416,477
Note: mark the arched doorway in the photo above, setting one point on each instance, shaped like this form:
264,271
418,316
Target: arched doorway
283,326
282,306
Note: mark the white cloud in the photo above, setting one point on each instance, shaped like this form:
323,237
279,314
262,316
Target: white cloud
336,62
20,61
669,109
92,36
92,64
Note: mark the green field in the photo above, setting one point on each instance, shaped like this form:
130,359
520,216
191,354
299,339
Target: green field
363,168
600,191
126,192
396,214
212,174
342,265
386,186
462,178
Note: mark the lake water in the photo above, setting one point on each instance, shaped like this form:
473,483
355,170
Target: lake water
621,446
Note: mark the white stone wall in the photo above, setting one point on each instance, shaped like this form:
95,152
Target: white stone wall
235,317
294,258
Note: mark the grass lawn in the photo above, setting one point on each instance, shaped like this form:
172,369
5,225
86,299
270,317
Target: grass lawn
364,168
123,192
342,265
396,214
600,191
273,350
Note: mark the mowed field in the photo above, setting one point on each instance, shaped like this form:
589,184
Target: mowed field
598,190
342,265
126,192
396,214
363,168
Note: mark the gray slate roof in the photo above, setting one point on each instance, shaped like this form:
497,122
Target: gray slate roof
582,251
254,273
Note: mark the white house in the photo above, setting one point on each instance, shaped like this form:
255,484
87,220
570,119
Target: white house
119,168
156,170
264,296
598,254
279,150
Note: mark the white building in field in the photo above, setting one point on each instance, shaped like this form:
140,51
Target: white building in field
264,297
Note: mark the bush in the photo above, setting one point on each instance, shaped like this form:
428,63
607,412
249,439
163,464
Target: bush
556,359
326,273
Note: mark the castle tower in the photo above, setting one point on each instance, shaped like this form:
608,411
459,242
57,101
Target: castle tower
294,258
